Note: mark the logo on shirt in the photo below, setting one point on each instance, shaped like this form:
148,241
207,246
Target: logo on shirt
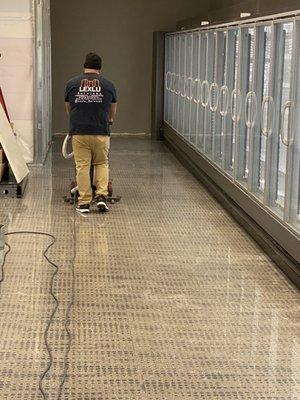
90,86
89,92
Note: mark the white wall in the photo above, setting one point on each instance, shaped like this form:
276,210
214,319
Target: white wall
16,68
15,6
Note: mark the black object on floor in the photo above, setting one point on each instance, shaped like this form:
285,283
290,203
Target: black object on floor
9,186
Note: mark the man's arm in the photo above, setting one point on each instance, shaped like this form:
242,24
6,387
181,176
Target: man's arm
67,106
112,112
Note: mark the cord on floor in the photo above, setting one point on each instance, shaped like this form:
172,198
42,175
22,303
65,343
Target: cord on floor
57,303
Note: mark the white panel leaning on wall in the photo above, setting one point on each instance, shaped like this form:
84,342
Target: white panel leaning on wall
16,70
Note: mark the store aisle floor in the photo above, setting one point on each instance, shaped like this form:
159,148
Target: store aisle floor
173,300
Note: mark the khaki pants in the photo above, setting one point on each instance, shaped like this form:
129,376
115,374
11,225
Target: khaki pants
91,150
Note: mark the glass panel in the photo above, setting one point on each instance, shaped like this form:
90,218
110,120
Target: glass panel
172,82
247,96
181,82
202,76
177,81
284,50
223,97
209,79
167,80
228,79
295,182
267,112
232,84
195,87
188,86
214,96
294,150
184,83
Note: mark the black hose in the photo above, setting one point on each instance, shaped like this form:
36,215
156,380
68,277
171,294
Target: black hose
69,309
57,303
56,267
3,262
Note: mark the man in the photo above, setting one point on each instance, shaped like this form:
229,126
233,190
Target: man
91,103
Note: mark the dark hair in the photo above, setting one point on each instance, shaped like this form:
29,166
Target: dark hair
93,61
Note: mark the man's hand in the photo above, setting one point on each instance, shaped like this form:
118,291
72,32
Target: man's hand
67,106
112,112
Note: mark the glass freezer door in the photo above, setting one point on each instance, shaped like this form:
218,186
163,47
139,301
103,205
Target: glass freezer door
279,139
202,91
266,103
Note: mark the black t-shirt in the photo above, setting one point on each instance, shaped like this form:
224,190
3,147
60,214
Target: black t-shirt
90,97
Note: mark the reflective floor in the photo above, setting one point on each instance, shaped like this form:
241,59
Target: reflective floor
173,300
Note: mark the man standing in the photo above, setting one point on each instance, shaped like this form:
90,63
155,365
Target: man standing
91,103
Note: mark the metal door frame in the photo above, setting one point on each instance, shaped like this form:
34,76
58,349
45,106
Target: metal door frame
42,78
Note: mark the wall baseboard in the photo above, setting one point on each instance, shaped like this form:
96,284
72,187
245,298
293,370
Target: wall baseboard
112,134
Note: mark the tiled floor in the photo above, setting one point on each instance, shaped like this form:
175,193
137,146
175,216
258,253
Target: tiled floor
172,299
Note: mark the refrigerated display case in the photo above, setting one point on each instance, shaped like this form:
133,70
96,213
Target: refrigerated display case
236,97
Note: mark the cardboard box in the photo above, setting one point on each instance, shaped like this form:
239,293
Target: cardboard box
3,167
2,156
